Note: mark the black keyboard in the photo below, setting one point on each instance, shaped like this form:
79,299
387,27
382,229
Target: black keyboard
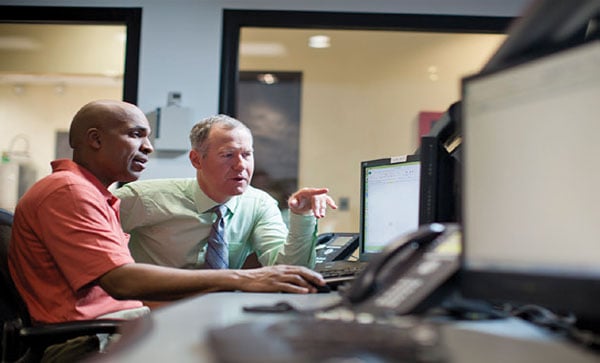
314,340
337,272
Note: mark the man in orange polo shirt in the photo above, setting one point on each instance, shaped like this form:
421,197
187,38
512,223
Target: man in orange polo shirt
68,254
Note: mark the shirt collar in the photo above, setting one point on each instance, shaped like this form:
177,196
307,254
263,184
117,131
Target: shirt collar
73,167
204,203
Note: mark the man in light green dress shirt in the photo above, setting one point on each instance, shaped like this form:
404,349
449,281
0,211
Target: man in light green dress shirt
169,219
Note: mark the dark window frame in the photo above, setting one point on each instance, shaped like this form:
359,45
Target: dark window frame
130,17
234,20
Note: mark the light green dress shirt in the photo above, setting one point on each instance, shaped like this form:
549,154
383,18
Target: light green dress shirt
169,225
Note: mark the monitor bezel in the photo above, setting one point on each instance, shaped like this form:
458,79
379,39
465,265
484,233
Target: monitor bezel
439,198
364,165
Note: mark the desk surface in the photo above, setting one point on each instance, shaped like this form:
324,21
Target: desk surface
178,332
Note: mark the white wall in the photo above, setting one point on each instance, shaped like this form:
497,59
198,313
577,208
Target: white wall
181,46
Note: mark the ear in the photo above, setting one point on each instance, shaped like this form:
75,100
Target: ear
195,159
93,138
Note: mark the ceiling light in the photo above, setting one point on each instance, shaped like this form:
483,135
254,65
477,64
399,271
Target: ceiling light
267,78
121,37
59,89
18,43
18,89
433,73
262,49
319,41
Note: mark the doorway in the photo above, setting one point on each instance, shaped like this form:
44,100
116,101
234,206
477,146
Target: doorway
366,81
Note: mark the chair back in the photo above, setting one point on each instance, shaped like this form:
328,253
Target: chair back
13,312
22,342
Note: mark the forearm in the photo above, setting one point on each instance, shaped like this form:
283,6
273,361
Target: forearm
149,282
299,248
155,283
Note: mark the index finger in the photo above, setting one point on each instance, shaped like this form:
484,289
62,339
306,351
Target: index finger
314,191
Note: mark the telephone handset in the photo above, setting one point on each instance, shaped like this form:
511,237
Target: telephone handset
403,277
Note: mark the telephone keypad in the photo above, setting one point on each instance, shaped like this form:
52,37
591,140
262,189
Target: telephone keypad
428,266
398,292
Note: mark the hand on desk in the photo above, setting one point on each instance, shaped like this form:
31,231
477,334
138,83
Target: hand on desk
280,278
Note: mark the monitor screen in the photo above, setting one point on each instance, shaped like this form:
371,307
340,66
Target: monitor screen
389,200
531,179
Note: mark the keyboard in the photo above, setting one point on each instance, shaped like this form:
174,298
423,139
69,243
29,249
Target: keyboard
338,272
317,340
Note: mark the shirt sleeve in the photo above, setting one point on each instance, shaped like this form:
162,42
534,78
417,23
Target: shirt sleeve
300,245
276,245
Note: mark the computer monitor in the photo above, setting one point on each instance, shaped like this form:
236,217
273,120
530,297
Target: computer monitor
547,26
439,183
439,153
389,201
531,179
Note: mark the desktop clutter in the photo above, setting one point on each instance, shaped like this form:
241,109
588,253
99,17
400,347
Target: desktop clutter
402,306
365,323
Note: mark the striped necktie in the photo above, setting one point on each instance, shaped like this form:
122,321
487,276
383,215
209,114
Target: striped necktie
217,253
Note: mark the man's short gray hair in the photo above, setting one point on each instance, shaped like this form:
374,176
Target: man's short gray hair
200,131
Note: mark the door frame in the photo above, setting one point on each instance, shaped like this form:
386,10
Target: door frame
234,20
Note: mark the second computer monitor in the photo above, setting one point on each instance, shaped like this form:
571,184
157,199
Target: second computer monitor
440,181
389,200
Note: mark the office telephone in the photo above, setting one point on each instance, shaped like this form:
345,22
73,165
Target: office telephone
335,246
409,273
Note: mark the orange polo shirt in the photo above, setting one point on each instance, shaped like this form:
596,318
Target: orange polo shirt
67,234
